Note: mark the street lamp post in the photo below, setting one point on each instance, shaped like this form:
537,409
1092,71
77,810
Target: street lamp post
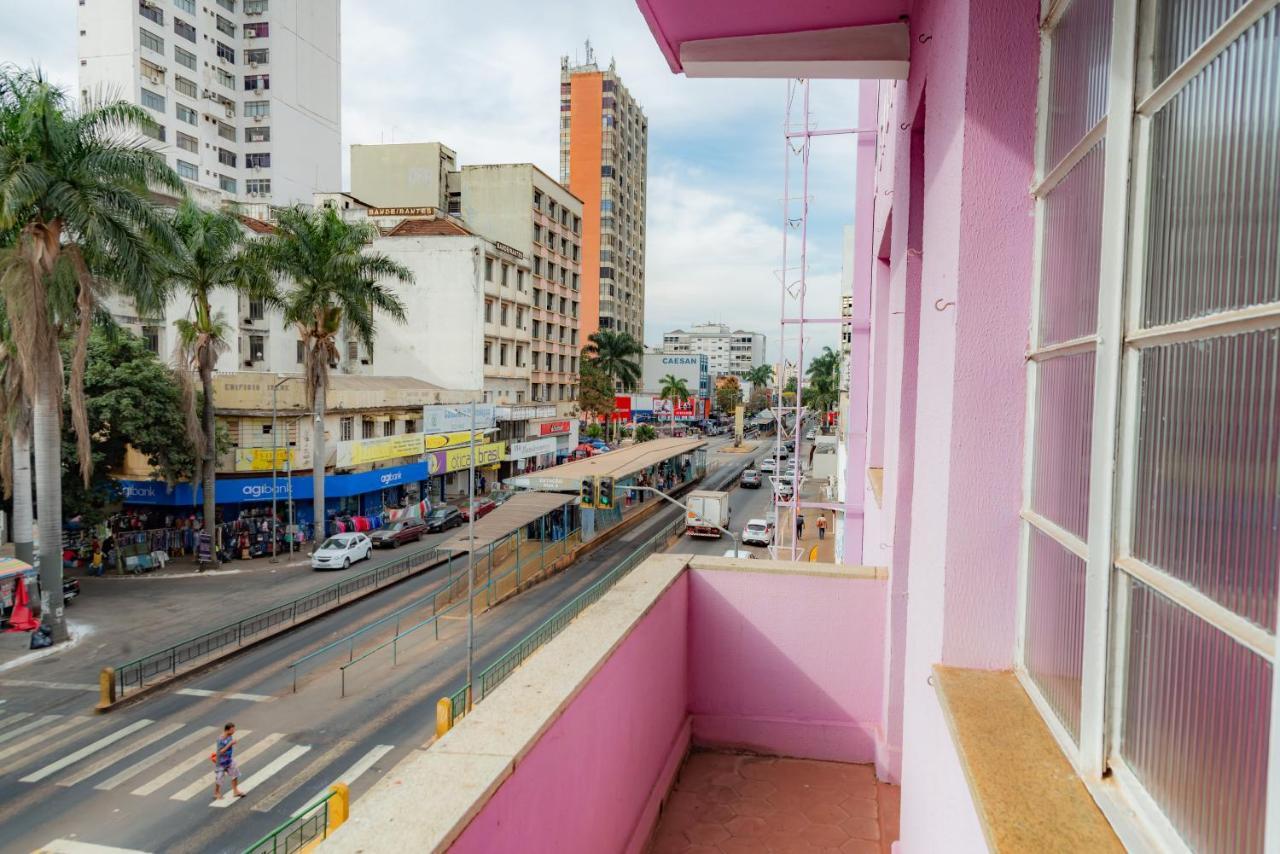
471,551
275,454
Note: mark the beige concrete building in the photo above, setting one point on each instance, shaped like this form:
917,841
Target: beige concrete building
409,174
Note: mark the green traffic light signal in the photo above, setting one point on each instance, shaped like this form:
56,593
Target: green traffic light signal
586,492
604,493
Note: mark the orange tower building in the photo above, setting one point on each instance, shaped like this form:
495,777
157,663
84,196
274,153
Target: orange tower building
604,149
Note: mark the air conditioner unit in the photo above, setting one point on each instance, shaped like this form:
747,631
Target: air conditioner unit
257,118
231,113
253,65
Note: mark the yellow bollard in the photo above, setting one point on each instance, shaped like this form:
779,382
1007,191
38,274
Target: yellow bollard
444,716
106,687
339,805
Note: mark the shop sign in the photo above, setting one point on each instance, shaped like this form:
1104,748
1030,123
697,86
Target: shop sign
554,428
375,450
447,419
523,413
259,459
436,442
457,459
534,448
239,490
410,211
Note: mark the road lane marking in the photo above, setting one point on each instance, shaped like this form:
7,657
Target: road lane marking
42,735
57,686
319,762
178,770
268,771
7,719
252,698
349,776
159,756
87,750
204,782
205,692
28,725
116,756
75,846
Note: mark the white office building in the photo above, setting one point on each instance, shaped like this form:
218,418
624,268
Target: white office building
245,95
729,352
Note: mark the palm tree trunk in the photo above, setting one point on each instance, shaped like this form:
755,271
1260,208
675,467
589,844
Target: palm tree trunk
318,459
22,516
46,435
209,464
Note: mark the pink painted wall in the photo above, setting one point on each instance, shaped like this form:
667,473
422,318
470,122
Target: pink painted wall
786,664
587,785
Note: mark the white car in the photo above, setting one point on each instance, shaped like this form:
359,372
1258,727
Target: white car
341,550
739,554
757,533
811,435
768,465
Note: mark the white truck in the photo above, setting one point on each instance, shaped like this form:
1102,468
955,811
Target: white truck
707,509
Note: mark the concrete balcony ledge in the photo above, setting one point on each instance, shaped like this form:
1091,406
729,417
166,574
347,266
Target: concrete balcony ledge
579,747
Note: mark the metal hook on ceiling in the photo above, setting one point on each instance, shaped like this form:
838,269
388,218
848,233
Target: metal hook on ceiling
942,305
925,38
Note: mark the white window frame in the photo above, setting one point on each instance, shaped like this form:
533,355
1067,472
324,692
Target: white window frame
1117,343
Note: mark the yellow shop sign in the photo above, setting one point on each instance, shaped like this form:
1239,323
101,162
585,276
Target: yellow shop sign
489,454
259,459
386,448
440,441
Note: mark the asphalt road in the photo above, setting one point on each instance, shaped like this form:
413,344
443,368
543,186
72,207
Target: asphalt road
140,779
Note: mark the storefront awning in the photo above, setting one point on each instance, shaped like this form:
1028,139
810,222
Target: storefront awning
518,511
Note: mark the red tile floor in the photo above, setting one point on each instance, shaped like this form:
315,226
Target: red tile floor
724,803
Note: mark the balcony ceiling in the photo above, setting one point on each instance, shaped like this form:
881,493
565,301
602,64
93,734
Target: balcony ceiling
766,38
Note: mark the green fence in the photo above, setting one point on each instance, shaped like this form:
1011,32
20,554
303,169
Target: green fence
293,835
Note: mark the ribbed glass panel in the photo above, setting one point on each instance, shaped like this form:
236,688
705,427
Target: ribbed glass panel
1071,250
1214,210
1207,494
1055,626
1064,415
1078,62
1182,26
1196,723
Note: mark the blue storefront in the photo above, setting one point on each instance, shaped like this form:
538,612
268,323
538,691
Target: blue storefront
360,493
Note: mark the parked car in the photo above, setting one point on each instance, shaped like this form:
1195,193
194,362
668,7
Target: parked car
751,479
443,518
740,554
483,507
768,465
341,550
398,533
757,533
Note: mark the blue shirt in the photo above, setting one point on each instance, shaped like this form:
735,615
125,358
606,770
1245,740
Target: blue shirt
225,747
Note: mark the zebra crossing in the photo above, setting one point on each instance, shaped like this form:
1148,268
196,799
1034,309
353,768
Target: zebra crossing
146,758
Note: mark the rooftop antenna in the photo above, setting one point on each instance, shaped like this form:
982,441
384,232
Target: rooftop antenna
591,56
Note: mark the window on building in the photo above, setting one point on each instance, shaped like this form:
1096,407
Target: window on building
577,229
488,311
151,41
537,328
506,275
564,305
151,336
410,425
346,427
1125,532
226,158
227,131
258,186
255,7
488,353
152,100
388,427
520,280
537,199
225,26
256,31
502,355
186,114
187,170
575,281
183,29
226,183
155,130
257,56
224,78
151,13
229,5
551,301
185,58
301,351
519,355
185,86
537,266
187,142
549,357
257,348
573,333
504,315
488,269
225,52
257,82
188,6
257,133
368,428
257,160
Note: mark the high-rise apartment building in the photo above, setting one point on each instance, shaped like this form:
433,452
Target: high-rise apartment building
729,352
244,95
604,144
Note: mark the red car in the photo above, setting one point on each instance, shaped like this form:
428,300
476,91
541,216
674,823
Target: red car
483,507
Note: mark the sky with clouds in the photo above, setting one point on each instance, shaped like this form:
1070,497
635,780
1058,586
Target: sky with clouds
483,77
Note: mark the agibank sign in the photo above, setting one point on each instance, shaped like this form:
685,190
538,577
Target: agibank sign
245,490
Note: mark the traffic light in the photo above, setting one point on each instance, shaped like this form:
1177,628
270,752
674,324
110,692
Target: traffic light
604,493
586,492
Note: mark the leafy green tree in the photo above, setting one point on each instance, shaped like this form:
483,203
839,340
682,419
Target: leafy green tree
674,389
728,395
616,354
824,381
758,401
336,286
594,431
134,400
77,188
210,255
645,433
760,376
595,390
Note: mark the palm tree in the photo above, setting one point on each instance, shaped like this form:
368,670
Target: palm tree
824,379
760,376
673,389
335,287
615,354
210,255
15,442
74,185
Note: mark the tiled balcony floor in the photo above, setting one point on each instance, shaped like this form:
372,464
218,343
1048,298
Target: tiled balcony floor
729,803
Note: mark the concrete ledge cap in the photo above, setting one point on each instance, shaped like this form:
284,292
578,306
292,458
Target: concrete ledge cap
787,567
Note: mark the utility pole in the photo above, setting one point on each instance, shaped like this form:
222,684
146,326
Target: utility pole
471,552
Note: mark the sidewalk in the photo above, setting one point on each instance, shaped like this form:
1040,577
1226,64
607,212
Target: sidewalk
811,491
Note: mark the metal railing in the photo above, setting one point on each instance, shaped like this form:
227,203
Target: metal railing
134,675
492,676
298,831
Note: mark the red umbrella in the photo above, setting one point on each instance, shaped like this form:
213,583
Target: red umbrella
21,619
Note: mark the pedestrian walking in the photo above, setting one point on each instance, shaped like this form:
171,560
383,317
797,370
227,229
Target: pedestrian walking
799,527
822,527
97,565
224,763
